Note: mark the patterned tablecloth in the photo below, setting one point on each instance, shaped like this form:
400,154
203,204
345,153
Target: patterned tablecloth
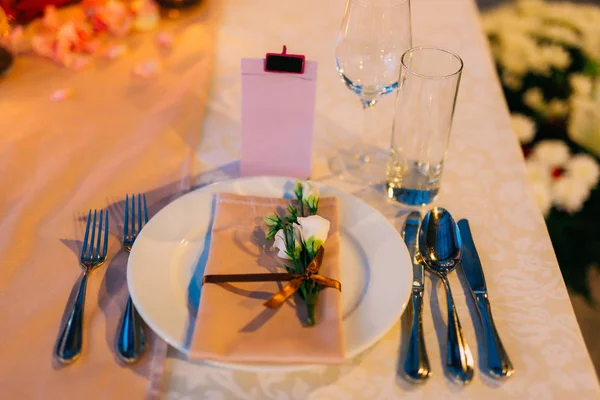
484,181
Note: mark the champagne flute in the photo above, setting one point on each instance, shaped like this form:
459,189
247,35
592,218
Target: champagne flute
373,36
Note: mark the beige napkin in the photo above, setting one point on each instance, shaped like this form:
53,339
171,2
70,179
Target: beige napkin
232,324
117,135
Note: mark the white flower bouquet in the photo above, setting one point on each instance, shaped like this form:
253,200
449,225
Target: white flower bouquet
548,59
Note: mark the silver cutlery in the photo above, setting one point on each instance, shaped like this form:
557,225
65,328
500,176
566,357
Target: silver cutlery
93,255
440,249
130,339
498,364
416,366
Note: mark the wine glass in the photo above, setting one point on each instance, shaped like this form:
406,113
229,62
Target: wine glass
373,36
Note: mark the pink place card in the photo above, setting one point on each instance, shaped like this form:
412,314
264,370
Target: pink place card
278,113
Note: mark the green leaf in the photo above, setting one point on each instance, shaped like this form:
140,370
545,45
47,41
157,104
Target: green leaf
272,220
292,210
591,68
271,234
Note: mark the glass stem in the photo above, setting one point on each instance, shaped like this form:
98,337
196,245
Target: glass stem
367,128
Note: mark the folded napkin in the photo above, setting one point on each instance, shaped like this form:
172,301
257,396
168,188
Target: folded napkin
117,135
232,324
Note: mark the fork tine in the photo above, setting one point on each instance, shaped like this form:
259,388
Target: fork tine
139,198
145,210
132,235
100,223
85,237
126,217
105,236
91,249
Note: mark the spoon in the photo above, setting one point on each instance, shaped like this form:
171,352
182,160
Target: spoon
440,250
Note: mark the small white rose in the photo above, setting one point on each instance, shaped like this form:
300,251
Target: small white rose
553,153
511,81
584,123
538,172
557,108
569,194
584,168
534,99
314,230
524,127
280,243
581,85
310,195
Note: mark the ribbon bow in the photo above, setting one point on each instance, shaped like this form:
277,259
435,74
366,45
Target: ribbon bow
295,280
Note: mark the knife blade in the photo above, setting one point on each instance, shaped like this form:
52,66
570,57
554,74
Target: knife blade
416,366
498,363
470,259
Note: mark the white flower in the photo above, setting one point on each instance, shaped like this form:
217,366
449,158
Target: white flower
581,85
511,81
569,194
557,108
553,153
531,7
543,196
591,39
547,56
280,243
583,168
534,99
314,231
524,127
558,34
310,194
516,51
538,172
584,123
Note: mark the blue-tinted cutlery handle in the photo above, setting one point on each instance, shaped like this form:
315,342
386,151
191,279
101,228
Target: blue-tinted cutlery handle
498,363
416,365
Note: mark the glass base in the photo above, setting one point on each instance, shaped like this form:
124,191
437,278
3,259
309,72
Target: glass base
364,167
412,197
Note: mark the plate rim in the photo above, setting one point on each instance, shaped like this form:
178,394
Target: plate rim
350,353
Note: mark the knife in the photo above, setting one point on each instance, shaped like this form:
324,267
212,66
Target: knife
498,363
416,365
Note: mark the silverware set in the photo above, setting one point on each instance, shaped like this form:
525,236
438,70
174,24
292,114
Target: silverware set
130,337
438,244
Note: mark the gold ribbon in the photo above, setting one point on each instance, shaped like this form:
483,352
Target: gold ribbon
295,280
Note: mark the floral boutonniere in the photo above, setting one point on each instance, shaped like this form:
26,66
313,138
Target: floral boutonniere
298,235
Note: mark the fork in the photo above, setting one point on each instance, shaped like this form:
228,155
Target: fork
93,255
130,339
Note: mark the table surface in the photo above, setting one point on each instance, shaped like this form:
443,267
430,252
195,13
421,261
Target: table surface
484,181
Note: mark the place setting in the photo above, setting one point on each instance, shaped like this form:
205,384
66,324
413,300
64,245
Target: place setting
264,273
259,265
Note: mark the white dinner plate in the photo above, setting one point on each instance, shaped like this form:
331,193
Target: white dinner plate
165,267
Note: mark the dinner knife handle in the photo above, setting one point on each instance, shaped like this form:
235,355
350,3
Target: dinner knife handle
460,359
498,363
68,345
416,365
130,339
